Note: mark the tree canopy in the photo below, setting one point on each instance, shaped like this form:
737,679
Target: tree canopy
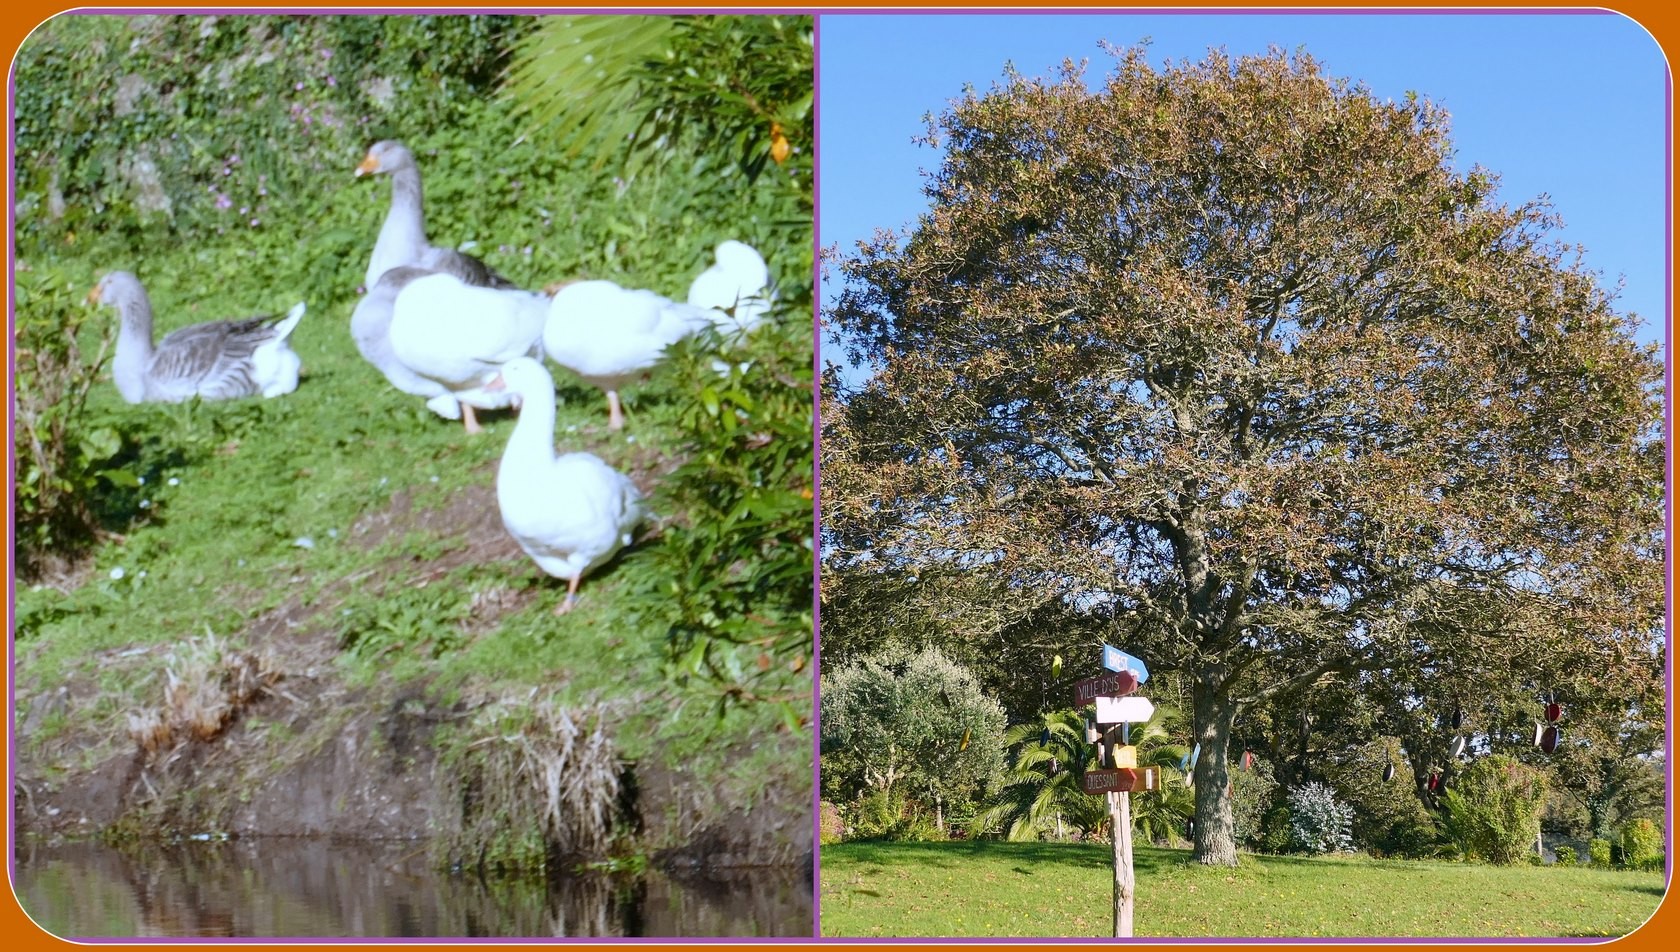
1229,361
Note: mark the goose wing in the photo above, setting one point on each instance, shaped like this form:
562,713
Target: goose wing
213,360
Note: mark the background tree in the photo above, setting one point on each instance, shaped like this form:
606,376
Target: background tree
1228,357
915,723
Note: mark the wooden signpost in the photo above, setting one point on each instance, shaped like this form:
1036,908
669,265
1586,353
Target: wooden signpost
1122,779
1115,684
1117,708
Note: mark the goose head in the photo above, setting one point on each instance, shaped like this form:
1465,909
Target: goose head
121,290
385,156
524,377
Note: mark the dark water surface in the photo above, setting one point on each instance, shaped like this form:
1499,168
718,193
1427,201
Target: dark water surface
294,887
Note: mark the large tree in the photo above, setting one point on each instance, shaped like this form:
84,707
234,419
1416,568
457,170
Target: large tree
1230,357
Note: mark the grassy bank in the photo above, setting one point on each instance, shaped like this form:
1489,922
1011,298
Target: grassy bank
1049,890
342,536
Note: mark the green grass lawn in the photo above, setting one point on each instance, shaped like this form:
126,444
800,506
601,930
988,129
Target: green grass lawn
1053,889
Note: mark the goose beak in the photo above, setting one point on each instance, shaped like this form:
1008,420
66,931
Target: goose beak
495,384
369,164
94,296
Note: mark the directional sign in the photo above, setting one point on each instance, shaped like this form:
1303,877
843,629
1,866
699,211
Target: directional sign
1117,684
1116,660
1122,779
1124,710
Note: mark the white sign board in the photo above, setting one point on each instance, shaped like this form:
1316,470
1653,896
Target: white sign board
1124,710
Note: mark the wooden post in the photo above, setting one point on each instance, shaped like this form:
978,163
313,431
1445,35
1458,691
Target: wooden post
1120,820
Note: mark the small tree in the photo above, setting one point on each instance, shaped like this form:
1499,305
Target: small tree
915,724
1493,809
1642,845
1318,823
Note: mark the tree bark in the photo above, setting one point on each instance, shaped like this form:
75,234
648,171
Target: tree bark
1216,828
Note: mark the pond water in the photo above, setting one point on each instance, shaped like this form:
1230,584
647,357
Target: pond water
267,887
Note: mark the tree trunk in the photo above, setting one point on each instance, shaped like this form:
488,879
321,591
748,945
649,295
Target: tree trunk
1216,828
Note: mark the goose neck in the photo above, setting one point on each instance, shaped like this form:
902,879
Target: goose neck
134,349
533,435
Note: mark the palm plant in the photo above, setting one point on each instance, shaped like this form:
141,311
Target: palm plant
1042,795
623,89
1158,815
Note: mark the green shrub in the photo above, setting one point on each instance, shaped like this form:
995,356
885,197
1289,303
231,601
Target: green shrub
879,814
1642,846
1493,810
1318,822
62,462
1274,831
1598,851
919,827
1565,856
831,828
1251,796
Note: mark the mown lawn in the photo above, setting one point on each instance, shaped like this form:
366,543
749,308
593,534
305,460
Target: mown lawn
1060,890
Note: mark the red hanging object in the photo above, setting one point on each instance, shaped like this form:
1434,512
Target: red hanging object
1434,780
1248,760
1554,712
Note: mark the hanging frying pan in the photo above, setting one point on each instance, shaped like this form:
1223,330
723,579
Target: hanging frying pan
1458,718
1456,749
1388,772
1549,739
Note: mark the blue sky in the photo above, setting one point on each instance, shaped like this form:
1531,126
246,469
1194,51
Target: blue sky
1572,106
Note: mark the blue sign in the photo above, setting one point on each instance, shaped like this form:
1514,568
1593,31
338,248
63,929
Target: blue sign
1116,660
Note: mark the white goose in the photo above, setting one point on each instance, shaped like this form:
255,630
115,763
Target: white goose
402,238
737,287
447,338
609,335
571,512
217,360
370,327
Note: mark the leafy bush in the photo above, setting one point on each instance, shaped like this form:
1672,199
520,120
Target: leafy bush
1642,845
1493,809
1565,855
1251,800
1275,834
61,461
878,814
730,585
831,827
1318,823
1598,850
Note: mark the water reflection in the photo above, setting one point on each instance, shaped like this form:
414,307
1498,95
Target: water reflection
297,888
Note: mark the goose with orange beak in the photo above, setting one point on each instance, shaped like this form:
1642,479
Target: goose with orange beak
570,512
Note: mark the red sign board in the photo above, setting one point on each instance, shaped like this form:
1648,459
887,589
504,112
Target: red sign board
1112,684
1122,779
